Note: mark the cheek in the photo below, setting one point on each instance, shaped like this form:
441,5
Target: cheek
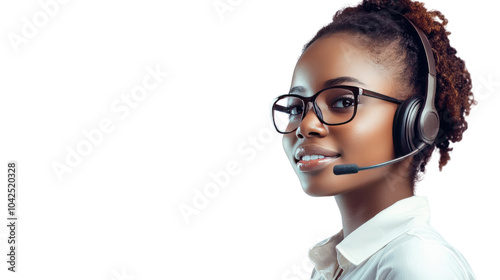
287,143
369,140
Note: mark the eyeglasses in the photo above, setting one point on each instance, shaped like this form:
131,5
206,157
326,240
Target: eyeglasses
334,105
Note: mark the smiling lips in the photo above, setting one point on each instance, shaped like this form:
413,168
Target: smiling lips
313,157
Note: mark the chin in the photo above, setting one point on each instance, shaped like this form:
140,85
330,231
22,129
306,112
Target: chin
313,193
315,190
318,185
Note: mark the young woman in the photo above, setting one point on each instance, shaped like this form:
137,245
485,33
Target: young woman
368,89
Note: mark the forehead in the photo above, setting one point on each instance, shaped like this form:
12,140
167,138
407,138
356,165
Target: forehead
336,56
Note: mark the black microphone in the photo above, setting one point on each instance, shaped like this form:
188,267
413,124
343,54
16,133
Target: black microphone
342,169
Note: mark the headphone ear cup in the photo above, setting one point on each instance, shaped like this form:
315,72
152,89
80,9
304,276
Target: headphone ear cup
405,124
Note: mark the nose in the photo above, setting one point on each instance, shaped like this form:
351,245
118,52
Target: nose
311,126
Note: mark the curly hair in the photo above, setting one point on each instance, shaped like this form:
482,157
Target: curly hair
389,41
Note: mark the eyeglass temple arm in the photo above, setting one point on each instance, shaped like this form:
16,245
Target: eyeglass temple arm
281,108
381,96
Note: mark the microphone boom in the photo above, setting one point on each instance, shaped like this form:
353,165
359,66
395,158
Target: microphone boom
342,169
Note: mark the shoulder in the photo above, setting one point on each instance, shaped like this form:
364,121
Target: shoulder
422,254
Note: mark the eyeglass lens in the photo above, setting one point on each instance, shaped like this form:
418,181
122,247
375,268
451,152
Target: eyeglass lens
336,105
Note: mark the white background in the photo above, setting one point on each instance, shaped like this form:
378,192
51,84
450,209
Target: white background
116,214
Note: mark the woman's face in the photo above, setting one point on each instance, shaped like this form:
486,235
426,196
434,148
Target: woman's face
365,140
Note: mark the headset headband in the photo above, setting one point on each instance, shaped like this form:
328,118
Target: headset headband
428,123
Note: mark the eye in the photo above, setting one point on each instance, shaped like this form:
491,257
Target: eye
343,102
295,109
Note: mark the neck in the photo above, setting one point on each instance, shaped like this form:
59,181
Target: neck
359,205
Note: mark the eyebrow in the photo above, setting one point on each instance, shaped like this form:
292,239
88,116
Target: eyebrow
328,83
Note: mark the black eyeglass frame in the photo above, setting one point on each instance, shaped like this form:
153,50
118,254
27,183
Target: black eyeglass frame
357,91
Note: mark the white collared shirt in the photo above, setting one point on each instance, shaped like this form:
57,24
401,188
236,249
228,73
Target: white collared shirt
397,243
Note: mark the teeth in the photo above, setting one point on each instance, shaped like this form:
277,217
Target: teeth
312,157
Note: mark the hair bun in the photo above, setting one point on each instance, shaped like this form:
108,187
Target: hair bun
378,5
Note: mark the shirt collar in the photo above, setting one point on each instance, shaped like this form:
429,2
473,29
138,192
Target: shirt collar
370,237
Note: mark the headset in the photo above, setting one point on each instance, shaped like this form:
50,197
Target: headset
416,121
